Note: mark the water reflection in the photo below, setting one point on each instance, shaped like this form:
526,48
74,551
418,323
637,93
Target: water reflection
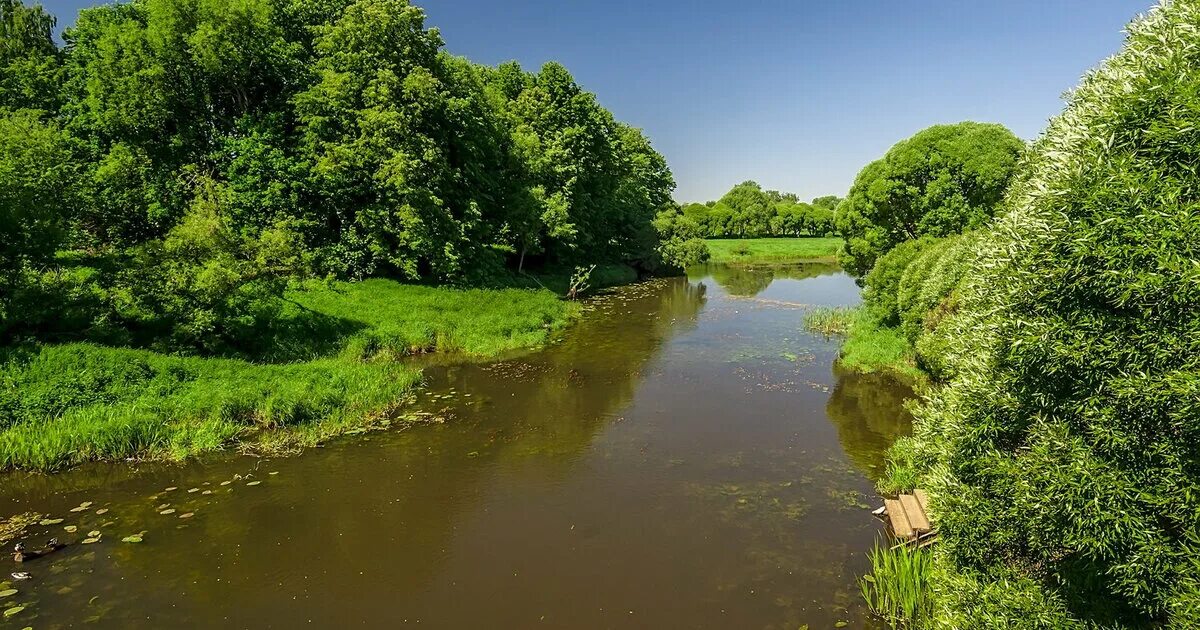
750,280
868,411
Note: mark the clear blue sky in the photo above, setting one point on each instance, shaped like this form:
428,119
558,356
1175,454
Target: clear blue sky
795,94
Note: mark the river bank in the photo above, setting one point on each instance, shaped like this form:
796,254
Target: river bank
568,486
333,362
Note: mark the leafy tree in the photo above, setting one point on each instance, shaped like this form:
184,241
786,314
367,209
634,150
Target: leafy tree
1065,445
36,184
943,180
30,66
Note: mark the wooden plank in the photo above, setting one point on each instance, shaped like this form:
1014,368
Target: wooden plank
899,519
916,516
923,499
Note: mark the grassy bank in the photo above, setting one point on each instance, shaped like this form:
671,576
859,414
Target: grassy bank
66,404
778,250
870,347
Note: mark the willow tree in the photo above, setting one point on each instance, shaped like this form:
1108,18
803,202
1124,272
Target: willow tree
1067,446
942,181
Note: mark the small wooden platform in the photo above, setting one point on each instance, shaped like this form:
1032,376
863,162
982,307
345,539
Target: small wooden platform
908,518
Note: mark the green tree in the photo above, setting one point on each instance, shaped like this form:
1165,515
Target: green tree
37,175
30,65
943,180
1065,447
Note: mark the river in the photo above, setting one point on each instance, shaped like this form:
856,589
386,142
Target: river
686,456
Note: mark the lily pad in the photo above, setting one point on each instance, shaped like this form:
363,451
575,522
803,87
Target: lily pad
70,529
132,539
8,593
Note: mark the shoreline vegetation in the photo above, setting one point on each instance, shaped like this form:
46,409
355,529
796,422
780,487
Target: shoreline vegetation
339,369
1052,302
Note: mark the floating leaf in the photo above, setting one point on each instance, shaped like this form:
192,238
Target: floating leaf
163,507
187,515
273,472
95,533
226,483
91,541
171,489
14,610
78,509
207,492
8,593
132,539
253,483
191,490
102,511
85,505
70,529
50,521
167,511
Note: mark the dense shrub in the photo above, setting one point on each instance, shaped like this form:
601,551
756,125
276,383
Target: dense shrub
926,285
1065,446
881,287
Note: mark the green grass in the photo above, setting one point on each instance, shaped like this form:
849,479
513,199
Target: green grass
778,250
65,404
869,346
396,319
897,589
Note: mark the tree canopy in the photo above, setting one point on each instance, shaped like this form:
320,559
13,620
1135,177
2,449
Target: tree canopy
942,181
339,129
748,211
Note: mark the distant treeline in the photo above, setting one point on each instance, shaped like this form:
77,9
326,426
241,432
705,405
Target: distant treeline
177,161
748,211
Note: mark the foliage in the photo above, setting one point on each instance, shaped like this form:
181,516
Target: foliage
748,211
897,589
942,181
881,287
774,250
680,240
196,155
1064,443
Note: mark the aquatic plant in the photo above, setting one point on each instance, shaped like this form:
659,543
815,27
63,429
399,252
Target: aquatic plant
897,589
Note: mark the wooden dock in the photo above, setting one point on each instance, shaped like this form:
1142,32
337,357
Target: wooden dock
909,519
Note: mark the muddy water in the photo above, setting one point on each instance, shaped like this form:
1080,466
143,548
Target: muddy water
685,457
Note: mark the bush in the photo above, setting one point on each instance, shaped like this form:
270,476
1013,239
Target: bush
1066,441
881,288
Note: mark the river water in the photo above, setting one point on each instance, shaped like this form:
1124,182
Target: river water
684,457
